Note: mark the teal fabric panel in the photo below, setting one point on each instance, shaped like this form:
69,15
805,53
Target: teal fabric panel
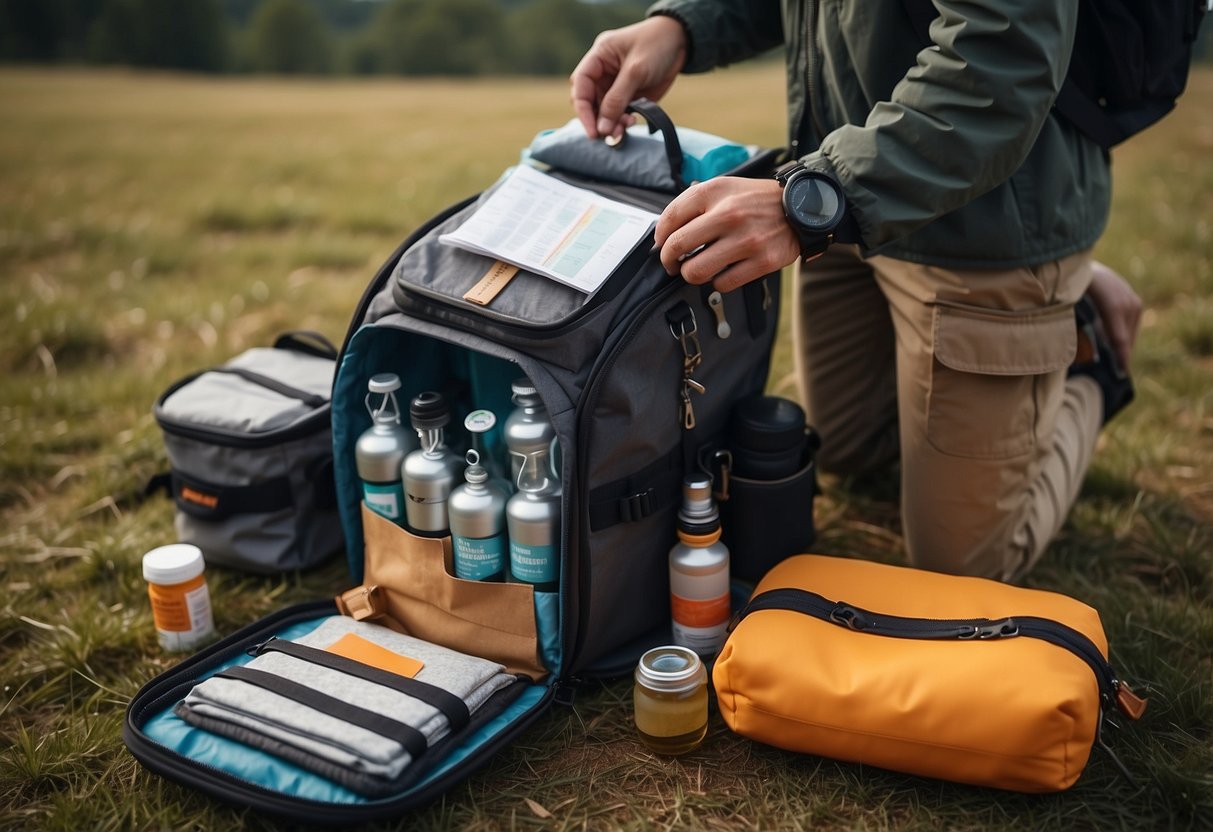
547,622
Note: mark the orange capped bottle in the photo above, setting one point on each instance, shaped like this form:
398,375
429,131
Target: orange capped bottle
699,572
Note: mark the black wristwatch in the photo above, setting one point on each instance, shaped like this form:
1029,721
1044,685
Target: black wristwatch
814,205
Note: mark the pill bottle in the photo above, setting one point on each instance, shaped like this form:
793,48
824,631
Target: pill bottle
181,604
671,700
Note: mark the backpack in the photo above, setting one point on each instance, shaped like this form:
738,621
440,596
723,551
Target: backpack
1129,65
615,371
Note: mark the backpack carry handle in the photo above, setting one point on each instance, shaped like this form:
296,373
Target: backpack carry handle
306,341
659,121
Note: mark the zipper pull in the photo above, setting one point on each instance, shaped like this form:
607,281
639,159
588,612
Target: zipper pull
1128,702
766,295
716,302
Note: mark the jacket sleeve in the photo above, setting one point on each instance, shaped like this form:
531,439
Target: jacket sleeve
960,122
722,32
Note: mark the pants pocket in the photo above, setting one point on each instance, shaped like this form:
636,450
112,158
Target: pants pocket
981,401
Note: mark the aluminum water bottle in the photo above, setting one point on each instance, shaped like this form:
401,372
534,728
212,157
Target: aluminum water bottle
381,449
431,471
699,572
528,430
533,521
477,514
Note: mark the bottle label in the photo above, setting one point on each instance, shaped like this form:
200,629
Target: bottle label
701,625
533,564
385,499
479,558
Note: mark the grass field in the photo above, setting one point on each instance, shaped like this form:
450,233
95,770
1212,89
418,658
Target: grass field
152,225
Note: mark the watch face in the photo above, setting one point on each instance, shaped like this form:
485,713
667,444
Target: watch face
814,202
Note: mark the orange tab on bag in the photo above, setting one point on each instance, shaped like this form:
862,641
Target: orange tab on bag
1129,703
488,287
353,646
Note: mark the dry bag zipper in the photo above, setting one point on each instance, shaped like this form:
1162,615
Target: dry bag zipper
939,629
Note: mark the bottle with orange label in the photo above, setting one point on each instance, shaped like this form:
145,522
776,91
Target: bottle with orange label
699,572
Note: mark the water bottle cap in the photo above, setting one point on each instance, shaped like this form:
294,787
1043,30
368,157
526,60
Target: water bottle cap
480,421
384,383
522,387
767,423
428,411
698,513
475,473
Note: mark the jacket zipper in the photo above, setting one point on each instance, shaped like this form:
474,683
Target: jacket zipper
941,629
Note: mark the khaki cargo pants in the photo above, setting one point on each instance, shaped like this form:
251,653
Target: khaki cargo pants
963,374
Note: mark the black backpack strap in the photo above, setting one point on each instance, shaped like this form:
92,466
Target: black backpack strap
1071,103
648,491
305,396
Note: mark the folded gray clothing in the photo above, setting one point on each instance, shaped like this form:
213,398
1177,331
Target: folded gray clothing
353,723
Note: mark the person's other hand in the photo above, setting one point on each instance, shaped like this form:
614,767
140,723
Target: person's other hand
643,59
727,231
1119,309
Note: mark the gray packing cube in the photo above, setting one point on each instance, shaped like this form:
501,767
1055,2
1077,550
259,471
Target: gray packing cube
250,450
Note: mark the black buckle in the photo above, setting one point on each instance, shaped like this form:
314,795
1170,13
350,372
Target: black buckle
635,507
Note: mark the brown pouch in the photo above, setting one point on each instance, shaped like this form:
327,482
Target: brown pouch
408,580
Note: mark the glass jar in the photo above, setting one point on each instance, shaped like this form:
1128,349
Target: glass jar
671,700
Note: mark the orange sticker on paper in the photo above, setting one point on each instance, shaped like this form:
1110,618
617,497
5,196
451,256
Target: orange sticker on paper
355,647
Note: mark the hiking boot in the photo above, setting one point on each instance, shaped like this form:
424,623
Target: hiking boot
1095,358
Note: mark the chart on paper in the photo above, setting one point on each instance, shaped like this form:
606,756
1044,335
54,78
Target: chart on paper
549,227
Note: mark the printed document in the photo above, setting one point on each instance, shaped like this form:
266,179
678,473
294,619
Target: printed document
546,226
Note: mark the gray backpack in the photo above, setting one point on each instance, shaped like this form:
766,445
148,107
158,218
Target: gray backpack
620,374
615,372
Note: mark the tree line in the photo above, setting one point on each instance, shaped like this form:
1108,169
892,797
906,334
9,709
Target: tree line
404,37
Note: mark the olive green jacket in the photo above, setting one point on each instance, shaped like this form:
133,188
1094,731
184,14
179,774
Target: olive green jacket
949,155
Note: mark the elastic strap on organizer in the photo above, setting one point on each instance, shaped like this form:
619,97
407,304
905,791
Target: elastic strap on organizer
448,704
409,738
211,501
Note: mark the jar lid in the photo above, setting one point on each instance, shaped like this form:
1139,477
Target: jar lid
671,669
175,563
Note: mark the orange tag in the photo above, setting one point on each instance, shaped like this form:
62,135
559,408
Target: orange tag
1129,703
488,287
355,647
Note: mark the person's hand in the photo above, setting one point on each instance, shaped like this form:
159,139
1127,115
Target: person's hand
728,231
624,64
1119,309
